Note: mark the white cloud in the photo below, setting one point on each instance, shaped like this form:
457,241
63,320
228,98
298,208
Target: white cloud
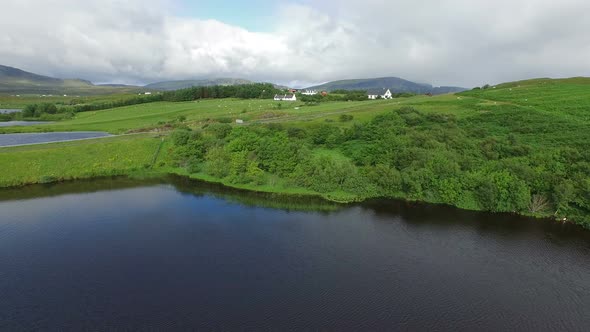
452,42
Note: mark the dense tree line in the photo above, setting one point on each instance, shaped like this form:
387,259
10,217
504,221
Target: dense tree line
143,99
345,95
402,154
245,91
340,96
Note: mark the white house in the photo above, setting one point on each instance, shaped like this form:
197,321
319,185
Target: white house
387,95
309,92
375,94
286,97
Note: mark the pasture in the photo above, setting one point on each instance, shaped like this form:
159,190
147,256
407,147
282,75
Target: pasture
77,159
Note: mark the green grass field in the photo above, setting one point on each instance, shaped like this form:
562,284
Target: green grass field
14,102
151,115
77,159
544,115
541,112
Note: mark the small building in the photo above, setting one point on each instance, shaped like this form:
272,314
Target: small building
382,93
309,92
286,97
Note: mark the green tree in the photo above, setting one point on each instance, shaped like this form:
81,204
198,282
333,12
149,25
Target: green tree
217,162
29,111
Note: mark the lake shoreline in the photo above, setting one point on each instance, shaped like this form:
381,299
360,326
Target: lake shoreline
297,193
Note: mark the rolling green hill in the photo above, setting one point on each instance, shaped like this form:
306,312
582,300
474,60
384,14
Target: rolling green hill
17,81
516,147
566,98
176,85
395,84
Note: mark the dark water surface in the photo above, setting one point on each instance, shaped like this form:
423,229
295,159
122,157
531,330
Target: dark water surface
151,255
35,138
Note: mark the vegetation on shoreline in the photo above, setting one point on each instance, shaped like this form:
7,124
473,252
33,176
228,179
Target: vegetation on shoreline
519,147
402,154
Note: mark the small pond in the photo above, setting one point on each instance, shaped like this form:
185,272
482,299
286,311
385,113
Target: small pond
8,111
22,123
36,138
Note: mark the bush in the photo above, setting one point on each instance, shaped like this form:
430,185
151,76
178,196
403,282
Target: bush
217,162
180,137
220,130
345,117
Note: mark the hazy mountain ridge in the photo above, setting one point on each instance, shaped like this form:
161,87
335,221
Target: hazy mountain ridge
18,76
396,85
14,80
17,81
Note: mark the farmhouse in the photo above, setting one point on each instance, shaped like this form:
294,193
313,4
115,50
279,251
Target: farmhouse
382,93
286,97
310,92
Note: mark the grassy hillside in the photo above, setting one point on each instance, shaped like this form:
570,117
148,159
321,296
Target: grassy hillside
395,84
160,114
547,112
519,147
568,96
177,85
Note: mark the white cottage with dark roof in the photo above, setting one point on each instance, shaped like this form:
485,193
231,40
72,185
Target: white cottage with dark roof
286,97
384,94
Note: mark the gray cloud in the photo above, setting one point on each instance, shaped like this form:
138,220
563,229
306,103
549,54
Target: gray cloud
450,42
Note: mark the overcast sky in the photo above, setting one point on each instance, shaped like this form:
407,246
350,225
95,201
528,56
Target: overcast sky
443,42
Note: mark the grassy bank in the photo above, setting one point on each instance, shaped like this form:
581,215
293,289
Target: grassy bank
518,148
76,160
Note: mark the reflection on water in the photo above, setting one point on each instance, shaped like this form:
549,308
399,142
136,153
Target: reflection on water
182,184
179,254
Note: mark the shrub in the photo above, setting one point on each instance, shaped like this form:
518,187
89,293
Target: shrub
220,130
345,117
180,137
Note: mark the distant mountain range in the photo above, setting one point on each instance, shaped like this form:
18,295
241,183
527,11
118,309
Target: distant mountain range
395,84
16,81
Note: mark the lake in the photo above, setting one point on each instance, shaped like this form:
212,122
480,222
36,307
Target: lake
177,254
36,138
